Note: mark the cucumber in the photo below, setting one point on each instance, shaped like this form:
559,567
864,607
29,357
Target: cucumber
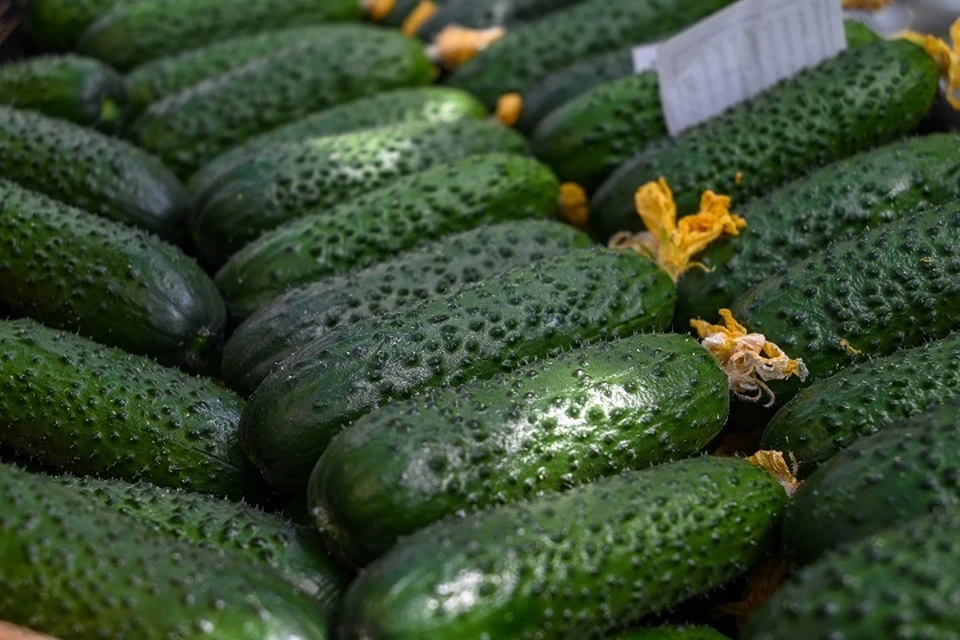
192,127
865,398
575,564
816,117
88,170
548,426
304,314
379,225
897,584
133,33
671,633
71,405
519,60
111,283
484,14
228,527
395,12
56,25
844,198
894,476
78,570
82,90
487,328
292,180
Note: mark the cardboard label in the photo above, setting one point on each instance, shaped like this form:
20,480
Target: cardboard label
644,57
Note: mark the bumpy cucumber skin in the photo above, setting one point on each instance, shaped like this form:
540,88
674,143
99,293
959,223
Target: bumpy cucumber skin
819,116
436,105
194,126
82,90
899,474
485,329
76,569
484,14
221,525
131,34
865,398
374,227
574,564
889,289
792,222
307,313
57,25
295,179
524,57
562,422
86,169
901,583
69,404
671,633
109,282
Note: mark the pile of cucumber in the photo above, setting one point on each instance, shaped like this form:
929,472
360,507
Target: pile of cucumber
300,340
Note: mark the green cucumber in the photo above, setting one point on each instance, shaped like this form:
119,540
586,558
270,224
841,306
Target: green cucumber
292,180
818,116
304,314
792,222
230,527
76,569
72,405
901,583
111,283
523,57
130,34
485,14
56,25
893,476
88,170
671,633
548,426
864,398
82,90
575,564
477,332
194,126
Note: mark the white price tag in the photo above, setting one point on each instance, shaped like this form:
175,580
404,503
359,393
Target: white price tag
644,57
741,51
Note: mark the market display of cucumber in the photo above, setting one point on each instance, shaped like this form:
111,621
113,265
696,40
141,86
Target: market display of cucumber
451,320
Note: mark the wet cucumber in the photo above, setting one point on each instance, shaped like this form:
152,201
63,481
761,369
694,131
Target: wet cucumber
523,57
292,180
548,426
130,34
485,14
844,198
82,90
304,314
476,333
194,126
88,170
112,283
575,564
78,570
71,405
56,25
376,226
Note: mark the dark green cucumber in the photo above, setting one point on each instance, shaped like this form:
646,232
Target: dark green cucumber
72,405
480,331
56,25
794,221
865,398
901,583
379,225
886,290
109,282
484,14
88,170
523,57
304,314
194,126
292,180
76,569
671,633
818,116
548,426
132,33
230,527
575,564
82,90
894,476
